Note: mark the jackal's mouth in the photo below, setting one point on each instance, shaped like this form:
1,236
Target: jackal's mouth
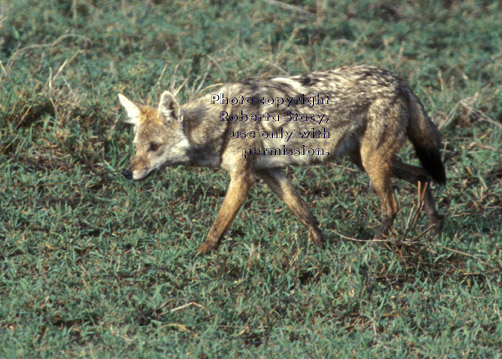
148,174
133,174
152,171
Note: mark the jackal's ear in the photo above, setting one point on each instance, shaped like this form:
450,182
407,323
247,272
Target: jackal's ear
169,109
133,111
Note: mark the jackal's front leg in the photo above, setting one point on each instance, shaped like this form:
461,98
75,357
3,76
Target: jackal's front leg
280,184
236,194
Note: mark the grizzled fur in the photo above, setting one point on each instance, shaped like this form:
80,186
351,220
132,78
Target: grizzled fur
369,115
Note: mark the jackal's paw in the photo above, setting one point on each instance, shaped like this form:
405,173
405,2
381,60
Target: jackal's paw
316,236
206,247
437,224
379,237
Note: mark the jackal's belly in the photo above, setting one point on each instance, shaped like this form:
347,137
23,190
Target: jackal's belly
271,153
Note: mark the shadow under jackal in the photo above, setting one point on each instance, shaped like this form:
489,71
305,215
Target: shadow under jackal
256,127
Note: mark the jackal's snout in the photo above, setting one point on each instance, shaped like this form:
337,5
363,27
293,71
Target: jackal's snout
127,174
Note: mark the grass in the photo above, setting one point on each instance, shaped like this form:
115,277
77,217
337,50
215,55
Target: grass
94,266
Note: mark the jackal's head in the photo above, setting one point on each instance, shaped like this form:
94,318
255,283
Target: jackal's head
159,140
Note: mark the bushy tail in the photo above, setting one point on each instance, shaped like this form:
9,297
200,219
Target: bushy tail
425,137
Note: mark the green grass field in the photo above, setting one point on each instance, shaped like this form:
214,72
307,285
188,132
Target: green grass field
95,266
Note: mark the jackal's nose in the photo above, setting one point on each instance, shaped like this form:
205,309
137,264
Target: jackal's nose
127,174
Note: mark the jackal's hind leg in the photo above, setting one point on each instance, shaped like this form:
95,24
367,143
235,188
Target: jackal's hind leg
377,163
276,179
419,177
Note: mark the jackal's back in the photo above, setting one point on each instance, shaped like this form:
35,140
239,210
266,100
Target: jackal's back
345,104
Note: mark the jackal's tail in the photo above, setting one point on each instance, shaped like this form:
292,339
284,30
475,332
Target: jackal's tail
425,137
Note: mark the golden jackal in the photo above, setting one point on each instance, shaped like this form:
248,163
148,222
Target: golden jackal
257,127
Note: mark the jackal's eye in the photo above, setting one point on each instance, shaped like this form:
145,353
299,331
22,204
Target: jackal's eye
153,146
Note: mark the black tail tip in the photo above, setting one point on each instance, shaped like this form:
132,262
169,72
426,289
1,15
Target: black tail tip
436,170
431,162
439,176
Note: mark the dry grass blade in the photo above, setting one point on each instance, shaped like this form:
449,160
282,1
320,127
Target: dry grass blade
290,7
189,305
